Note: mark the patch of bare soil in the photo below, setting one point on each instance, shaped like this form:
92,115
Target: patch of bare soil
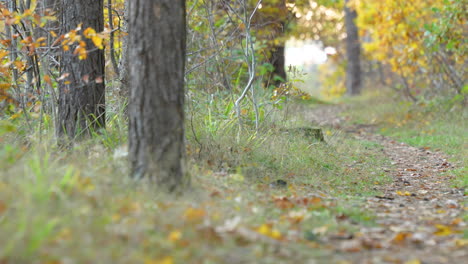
419,215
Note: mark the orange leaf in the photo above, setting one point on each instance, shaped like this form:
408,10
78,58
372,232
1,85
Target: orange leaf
47,79
3,207
401,237
194,214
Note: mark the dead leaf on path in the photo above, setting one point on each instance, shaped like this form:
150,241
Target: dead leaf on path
443,230
413,261
309,201
401,237
456,221
166,260
283,203
403,193
461,242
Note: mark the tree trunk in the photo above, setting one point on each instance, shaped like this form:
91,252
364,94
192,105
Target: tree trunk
156,73
279,64
81,107
353,52
123,64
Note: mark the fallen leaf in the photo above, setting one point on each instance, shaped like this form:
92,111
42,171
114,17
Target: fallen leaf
403,193
3,207
461,242
456,221
174,236
443,230
283,203
166,260
194,214
269,231
401,237
413,261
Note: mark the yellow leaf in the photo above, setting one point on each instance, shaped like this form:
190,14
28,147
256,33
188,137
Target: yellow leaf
443,230
4,86
89,32
403,193
275,233
264,229
194,214
267,230
237,177
166,260
174,236
3,53
461,242
97,42
15,116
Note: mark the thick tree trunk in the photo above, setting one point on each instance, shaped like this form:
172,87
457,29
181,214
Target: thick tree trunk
353,52
279,64
156,111
81,107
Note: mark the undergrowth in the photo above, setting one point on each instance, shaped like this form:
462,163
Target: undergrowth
257,196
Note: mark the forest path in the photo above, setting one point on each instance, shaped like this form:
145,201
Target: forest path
419,215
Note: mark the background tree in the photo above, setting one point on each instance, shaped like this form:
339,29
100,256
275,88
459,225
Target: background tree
81,106
353,51
156,110
271,25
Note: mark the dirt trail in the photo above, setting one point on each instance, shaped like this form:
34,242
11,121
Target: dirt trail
419,215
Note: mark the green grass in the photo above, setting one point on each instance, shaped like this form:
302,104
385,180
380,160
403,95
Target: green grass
436,125
81,205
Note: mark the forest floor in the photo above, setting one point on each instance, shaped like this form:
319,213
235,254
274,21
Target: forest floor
420,213
271,197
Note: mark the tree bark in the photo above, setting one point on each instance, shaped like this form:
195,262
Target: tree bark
353,52
279,65
123,64
81,107
157,46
